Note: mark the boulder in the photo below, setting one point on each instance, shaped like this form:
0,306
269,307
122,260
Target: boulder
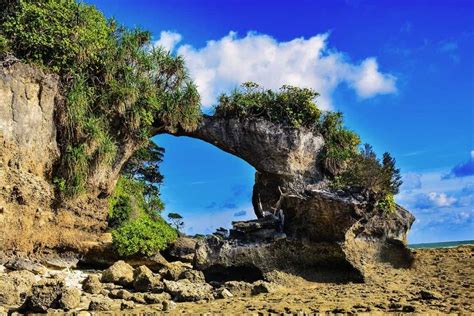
156,298
44,295
182,249
169,306
194,276
119,273
185,291
144,280
102,304
92,284
174,270
25,264
239,288
70,299
8,294
223,293
263,287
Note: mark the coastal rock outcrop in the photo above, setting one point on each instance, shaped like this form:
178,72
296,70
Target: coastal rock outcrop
320,225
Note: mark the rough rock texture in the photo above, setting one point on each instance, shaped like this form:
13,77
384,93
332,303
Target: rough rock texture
119,273
30,218
290,177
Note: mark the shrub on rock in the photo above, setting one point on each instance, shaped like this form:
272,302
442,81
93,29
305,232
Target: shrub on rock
143,236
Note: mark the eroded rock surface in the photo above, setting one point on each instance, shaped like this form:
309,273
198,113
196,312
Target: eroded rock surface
319,224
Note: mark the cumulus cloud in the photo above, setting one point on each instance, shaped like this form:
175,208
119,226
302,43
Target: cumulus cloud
463,170
168,40
434,200
225,63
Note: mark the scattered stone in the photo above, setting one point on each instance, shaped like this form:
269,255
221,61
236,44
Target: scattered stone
145,281
169,305
70,299
103,304
429,295
44,295
193,276
239,288
25,264
127,305
120,294
155,298
262,287
174,270
8,294
223,293
185,291
91,284
138,298
119,273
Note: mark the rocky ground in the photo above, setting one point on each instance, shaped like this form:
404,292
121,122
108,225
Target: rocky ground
440,281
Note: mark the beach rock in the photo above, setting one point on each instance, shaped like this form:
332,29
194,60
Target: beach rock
70,299
185,291
19,264
102,304
182,249
44,295
223,293
263,287
169,306
9,294
120,294
144,280
127,305
119,273
239,288
290,174
156,298
92,284
174,270
193,276
429,295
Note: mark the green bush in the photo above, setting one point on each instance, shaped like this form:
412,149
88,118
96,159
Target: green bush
380,180
117,85
291,106
143,236
56,33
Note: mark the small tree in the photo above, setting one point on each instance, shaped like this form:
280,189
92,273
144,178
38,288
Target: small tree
176,220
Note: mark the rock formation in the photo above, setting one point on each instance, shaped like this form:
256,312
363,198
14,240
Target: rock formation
323,227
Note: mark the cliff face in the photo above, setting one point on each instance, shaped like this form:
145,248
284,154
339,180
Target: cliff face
30,217
321,225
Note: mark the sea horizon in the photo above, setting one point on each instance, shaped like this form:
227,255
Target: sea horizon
442,244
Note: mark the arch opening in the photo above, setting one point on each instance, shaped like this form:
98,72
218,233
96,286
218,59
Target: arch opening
209,187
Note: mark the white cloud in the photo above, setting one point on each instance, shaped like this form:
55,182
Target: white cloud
440,199
168,40
224,64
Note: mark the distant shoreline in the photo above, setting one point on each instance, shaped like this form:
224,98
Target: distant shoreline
445,244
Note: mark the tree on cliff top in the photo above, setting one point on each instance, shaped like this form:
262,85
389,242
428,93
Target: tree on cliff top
118,86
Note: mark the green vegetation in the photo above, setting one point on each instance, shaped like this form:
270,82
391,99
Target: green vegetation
346,165
291,106
380,180
143,236
117,85
176,220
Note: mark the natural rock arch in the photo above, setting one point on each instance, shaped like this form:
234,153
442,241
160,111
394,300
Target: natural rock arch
332,225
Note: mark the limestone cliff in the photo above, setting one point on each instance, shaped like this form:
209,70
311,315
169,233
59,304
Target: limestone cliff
31,220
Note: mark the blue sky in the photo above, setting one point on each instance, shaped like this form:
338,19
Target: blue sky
401,71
